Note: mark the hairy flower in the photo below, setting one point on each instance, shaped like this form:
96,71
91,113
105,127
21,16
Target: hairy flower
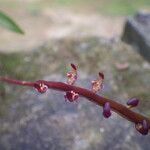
40,87
72,75
71,96
98,84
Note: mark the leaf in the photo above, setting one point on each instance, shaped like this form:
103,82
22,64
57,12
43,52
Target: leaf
8,23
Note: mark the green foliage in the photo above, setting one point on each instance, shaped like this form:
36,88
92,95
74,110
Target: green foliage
110,7
123,7
8,23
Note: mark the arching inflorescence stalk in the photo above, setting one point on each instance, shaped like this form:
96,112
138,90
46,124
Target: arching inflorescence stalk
72,93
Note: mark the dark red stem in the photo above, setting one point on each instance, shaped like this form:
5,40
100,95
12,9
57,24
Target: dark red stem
99,100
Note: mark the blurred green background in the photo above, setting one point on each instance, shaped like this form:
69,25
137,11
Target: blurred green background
111,7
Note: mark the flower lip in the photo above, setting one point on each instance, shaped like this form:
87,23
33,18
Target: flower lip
71,96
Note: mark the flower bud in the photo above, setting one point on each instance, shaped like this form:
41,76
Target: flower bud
142,127
106,110
133,102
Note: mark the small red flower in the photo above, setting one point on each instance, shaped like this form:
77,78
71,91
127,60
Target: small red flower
40,87
72,75
98,84
71,96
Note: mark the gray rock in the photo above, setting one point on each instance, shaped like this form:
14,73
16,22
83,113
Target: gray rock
137,33
46,122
